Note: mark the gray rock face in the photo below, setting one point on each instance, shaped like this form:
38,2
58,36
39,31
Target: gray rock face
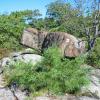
86,98
33,38
5,61
93,89
68,97
33,58
9,93
56,98
41,38
69,45
30,38
20,95
6,94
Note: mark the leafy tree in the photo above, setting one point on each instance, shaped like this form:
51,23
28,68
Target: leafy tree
92,30
12,25
36,20
58,10
63,17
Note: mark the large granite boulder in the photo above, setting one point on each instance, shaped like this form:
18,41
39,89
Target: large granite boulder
69,45
33,38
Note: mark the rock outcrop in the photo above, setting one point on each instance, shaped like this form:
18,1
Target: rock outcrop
20,56
9,93
6,93
69,45
30,38
93,89
33,38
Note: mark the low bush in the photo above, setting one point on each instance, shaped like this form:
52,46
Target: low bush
54,74
94,57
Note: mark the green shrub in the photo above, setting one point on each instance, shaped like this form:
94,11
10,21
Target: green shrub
11,28
94,57
54,74
64,75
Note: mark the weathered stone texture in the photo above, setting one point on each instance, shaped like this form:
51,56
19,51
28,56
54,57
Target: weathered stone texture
69,45
30,38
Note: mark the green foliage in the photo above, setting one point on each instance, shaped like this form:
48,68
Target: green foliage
56,75
60,16
94,57
24,75
63,17
58,9
12,26
38,23
64,75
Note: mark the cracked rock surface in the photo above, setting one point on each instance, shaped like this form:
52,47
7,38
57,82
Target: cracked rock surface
93,89
7,94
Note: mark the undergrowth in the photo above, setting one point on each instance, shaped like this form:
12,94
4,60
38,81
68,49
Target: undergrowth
56,75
